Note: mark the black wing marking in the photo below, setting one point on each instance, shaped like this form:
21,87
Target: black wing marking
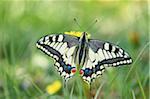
61,48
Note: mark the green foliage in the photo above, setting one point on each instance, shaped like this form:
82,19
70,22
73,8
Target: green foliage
25,72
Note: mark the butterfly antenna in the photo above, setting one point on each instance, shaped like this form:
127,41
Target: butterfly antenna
75,20
92,24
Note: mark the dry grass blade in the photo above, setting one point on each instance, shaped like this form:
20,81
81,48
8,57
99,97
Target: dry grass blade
98,91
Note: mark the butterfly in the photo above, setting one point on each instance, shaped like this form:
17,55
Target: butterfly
75,49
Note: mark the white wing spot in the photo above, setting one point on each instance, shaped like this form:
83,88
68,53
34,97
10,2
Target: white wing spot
55,57
54,38
64,57
121,50
121,62
105,65
114,64
66,76
38,46
47,38
60,38
106,46
84,77
125,56
93,75
103,70
57,64
124,61
113,48
99,72
41,40
63,74
60,69
51,55
118,63
48,52
128,61
88,79
101,67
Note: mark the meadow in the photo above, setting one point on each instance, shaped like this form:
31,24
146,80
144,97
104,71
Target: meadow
27,73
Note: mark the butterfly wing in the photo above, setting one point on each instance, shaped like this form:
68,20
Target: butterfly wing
61,48
102,54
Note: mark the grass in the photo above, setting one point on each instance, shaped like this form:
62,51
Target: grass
25,72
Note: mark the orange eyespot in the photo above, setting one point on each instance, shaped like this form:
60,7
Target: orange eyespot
81,72
73,70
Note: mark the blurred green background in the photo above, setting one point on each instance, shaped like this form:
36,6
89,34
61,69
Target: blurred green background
25,72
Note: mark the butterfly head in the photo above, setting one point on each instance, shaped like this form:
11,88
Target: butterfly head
84,37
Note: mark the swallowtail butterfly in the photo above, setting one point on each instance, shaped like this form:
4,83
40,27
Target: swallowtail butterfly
73,49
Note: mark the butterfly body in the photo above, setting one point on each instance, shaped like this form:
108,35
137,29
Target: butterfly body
79,53
82,49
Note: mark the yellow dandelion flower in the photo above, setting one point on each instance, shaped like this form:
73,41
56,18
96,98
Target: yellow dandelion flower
54,87
78,34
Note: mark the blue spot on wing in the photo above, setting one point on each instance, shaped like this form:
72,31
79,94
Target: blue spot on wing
87,72
67,68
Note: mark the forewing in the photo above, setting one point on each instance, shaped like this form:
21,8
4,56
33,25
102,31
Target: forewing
61,48
102,54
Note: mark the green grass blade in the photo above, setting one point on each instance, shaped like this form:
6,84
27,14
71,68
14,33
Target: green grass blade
140,85
133,95
139,55
71,93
